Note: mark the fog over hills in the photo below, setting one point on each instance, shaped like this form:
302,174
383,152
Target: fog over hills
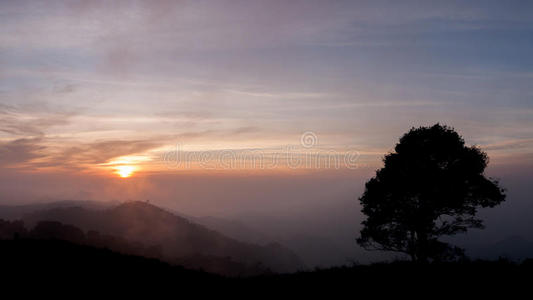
248,239
181,240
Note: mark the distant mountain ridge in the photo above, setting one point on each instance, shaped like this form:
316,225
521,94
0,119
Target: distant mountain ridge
13,212
178,237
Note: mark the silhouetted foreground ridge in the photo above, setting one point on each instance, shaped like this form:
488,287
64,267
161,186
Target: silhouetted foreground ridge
55,262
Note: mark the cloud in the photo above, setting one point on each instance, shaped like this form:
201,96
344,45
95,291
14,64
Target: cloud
511,144
45,152
20,151
246,129
278,95
16,122
99,152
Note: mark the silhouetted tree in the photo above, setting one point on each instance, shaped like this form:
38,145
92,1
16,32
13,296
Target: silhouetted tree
431,186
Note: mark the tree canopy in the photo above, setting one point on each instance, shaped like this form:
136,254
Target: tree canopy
432,185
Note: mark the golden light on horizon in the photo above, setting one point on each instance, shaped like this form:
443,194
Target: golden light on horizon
125,171
125,166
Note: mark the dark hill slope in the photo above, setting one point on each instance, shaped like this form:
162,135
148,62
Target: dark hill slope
59,266
178,237
60,262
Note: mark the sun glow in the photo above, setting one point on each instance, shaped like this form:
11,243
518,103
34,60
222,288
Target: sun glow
125,171
125,166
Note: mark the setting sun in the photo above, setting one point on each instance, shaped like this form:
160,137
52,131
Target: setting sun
125,171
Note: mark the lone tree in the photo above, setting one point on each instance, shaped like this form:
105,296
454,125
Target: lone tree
431,186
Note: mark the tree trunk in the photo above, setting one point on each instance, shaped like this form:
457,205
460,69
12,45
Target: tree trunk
422,248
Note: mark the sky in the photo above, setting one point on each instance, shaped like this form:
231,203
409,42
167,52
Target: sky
94,91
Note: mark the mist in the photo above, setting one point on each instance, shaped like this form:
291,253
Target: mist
316,213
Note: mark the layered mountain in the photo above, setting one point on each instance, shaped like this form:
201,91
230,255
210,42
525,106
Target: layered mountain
15,212
180,240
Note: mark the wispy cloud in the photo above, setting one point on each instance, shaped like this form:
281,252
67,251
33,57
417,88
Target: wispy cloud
524,144
20,152
90,155
18,122
126,77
